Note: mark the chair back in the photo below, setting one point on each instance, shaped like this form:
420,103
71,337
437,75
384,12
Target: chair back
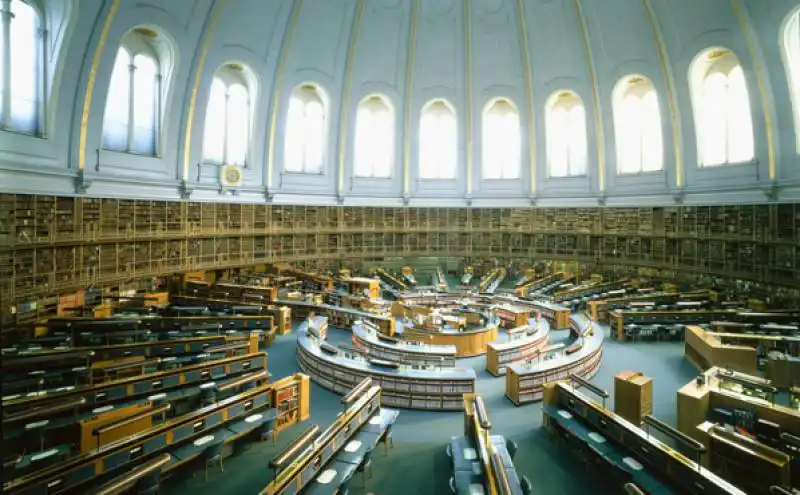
213,450
512,447
525,484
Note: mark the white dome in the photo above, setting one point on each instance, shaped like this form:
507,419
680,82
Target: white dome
559,102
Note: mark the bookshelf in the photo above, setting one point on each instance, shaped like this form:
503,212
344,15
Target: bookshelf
49,244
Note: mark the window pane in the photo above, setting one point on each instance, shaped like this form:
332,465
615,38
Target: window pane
428,129
629,135
652,137
713,120
384,140
295,141
145,99
214,133
557,144
238,125
492,168
438,143
115,125
511,146
2,71
364,143
315,136
740,121
24,67
792,47
577,141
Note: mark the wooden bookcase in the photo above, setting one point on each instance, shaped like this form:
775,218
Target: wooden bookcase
50,245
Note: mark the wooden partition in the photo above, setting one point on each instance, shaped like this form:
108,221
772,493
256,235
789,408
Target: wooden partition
697,400
704,350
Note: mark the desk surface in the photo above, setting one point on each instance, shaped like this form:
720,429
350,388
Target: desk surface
364,333
540,329
312,346
591,344
607,450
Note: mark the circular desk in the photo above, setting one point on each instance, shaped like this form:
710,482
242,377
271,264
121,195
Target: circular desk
407,387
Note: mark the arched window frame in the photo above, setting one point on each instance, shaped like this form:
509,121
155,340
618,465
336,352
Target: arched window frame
737,146
306,97
230,76
369,146
501,157
639,138
570,145
28,121
790,49
442,164
145,43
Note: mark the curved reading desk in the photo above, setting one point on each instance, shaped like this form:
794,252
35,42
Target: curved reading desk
525,379
367,337
523,343
403,386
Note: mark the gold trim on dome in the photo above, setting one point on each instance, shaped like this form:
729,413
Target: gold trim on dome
598,120
716,53
672,98
198,75
344,109
468,90
526,66
87,100
412,49
147,32
761,80
235,67
276,88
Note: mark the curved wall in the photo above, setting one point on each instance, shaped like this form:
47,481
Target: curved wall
467,51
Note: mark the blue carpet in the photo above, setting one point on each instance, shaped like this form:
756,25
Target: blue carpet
418,464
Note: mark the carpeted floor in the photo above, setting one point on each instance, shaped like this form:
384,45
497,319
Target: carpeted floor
418,464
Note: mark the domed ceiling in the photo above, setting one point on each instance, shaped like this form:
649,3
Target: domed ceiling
466,63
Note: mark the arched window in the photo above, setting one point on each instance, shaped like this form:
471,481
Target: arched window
133,104
227,131
374,139
306,131
637,119
791,58
565,123
501,141
438,141
722,109
20,66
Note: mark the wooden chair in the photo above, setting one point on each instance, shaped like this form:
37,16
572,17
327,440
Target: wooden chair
366,467
212,455
525,484
512,447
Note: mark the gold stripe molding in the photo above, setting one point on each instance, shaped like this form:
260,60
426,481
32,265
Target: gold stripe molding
87,100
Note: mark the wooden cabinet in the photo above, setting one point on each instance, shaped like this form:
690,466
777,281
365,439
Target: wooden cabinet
633,396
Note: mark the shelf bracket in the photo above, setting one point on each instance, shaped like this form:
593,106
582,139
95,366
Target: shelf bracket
678,195
268,195
601,200
406,199
340,199
82,182
468,197
533,198
185,189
